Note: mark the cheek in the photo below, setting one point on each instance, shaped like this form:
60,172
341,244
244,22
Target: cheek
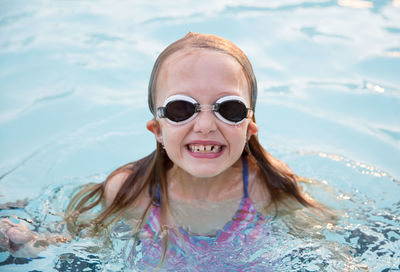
238,134
172,136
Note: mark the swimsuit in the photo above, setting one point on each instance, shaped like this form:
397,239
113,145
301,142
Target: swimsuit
191,252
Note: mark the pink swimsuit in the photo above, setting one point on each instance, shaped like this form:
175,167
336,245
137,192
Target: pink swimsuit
191,252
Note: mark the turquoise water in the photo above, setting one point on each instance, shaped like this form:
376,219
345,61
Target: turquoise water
73,77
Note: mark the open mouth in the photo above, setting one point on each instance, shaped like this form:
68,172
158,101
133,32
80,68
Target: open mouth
201,148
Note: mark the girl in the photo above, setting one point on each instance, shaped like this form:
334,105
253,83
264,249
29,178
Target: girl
209,181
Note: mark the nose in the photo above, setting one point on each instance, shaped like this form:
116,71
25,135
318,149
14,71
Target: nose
205,122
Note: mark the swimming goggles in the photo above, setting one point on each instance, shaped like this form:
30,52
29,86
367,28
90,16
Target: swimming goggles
180,109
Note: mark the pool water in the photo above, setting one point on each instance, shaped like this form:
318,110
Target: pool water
73,82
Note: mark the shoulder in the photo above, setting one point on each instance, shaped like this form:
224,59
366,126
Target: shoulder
258,190
115,182
278,164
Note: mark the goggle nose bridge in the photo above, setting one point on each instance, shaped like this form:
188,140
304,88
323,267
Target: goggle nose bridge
205,107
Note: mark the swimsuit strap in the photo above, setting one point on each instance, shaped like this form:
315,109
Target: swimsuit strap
245,182
157,199
245,176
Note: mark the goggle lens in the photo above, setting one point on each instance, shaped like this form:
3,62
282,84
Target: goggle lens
179,110
233,110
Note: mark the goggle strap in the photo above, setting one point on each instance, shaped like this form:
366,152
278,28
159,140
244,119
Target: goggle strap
249,112
161,112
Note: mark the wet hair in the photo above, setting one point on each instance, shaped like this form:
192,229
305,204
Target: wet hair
204,41
148,173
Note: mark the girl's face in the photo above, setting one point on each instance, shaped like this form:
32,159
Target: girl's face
205,146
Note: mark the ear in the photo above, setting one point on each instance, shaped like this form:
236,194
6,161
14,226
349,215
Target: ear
252,129
154,126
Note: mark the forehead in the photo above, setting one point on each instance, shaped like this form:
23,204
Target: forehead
201,69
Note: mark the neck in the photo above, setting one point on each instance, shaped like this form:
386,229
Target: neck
184,187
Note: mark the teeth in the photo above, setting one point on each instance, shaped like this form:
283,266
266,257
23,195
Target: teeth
205,148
